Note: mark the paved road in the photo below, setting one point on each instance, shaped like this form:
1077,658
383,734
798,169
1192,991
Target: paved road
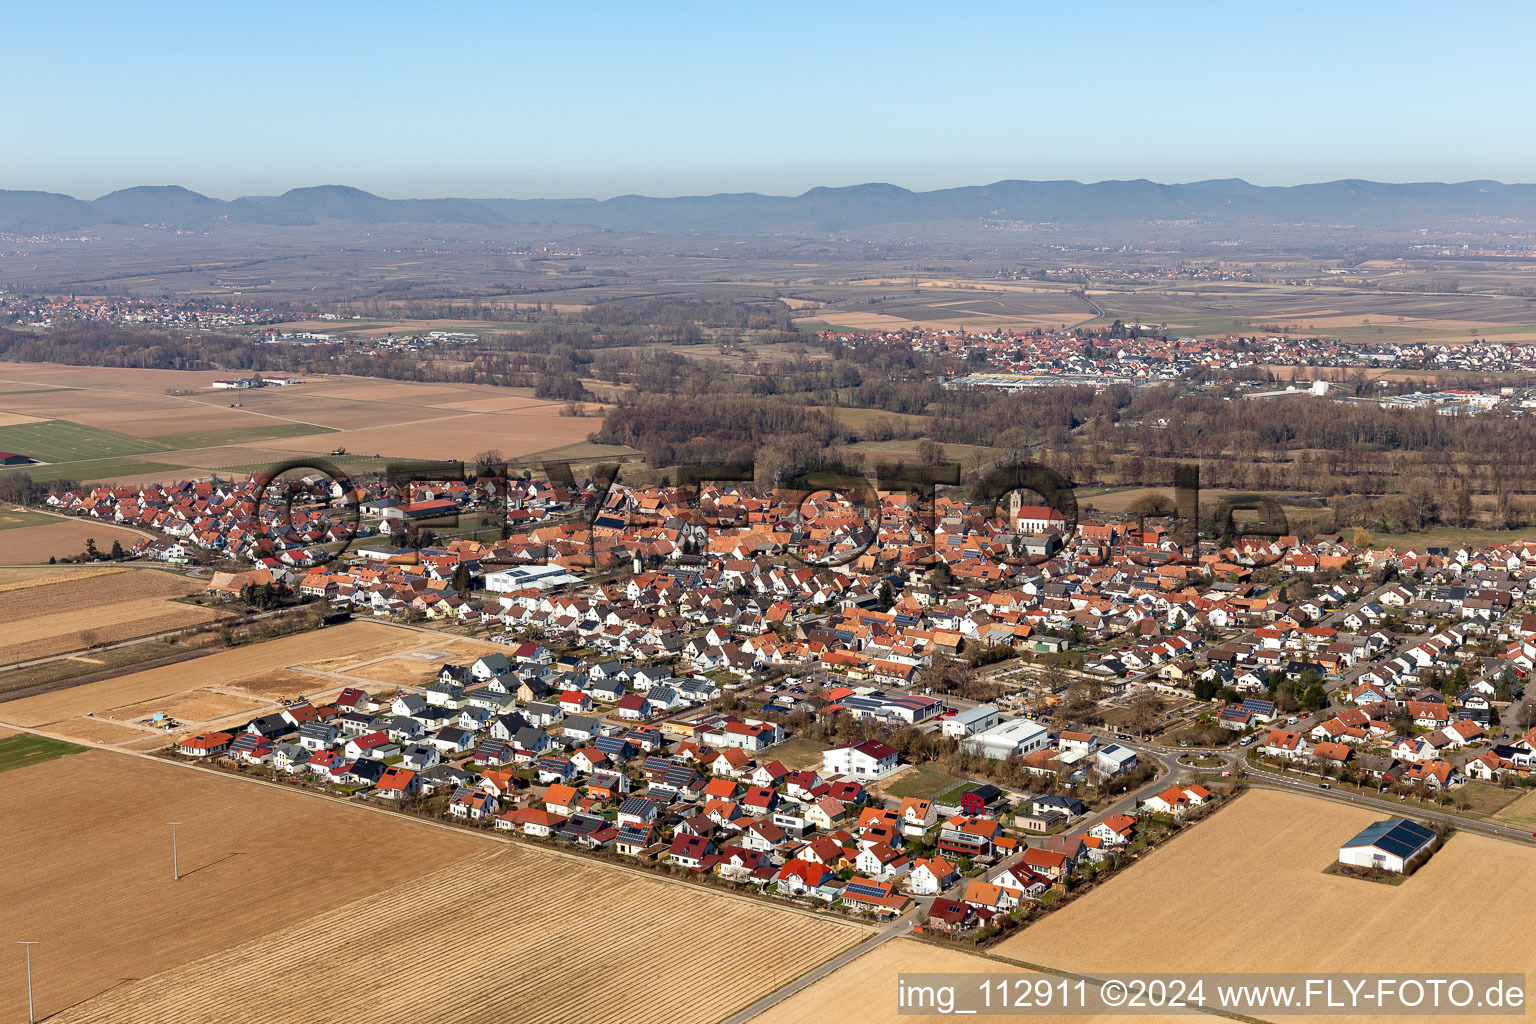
895,929
1395,808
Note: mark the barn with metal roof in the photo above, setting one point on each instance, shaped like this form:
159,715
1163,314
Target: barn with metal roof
1392,845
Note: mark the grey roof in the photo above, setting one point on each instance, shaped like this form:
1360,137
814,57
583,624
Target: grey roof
495,663
529,738
446,774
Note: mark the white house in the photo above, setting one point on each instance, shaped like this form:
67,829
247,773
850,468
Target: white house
868,760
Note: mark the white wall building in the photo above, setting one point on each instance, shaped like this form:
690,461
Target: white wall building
868,760
971,720
1392,844
1020,736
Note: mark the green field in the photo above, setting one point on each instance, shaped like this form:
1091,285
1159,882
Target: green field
925,781
1521,812
238,435
62,441
1448,538
25,749
11,518
100,469
36,391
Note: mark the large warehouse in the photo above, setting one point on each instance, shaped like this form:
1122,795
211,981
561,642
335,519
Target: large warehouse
1391,845
1019,736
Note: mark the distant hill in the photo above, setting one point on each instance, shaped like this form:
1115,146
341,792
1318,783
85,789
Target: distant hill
1227,203
171,206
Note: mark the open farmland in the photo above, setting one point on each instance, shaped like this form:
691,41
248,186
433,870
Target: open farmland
864,991
59,538
23,749
127,426
1275,846
95,887
25,577
116,605
1521,812
17,518
63,441
226,669
251,857
488,965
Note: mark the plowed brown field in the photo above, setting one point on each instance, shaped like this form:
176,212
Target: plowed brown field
88,868
522,935
69,614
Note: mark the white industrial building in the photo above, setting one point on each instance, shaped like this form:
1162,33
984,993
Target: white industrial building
1114,759
971,720
1020,736
1392,845
544,577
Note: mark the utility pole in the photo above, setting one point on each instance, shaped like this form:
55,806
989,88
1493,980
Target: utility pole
31,1019
175,864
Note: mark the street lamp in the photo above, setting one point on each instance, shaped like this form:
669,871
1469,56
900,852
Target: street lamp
175,864
31,1019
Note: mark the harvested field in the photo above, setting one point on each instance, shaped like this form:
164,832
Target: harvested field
99,730
226,457
459,436
224,669
1331,923
402,392
864,991
60,538
197,707
508,403
107,428
555,972
46,575
176,422
398,672
287,683
95,887
105,608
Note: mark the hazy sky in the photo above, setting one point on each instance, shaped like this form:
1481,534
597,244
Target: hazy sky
523,99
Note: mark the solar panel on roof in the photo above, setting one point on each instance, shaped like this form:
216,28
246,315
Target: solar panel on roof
862,889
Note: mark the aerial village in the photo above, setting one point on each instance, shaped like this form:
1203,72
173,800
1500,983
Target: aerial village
856,708
1142,355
